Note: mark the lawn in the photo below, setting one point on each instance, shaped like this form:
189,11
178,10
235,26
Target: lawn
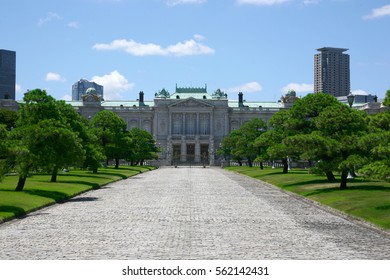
367,200
40,192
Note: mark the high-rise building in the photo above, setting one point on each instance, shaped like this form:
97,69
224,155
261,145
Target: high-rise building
7,74
331,71
80,88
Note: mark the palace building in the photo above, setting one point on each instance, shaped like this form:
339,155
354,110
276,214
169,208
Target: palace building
189,124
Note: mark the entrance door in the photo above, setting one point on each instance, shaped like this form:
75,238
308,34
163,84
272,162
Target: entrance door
190,153
204,153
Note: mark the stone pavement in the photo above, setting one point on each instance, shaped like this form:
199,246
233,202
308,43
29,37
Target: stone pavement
189,213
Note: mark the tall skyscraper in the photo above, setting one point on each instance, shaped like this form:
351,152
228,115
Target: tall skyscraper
80,88
331,72
7,74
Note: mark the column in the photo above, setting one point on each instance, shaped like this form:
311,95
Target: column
197,149
183,151
197,131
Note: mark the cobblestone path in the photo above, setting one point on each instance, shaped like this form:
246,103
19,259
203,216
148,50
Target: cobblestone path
189,213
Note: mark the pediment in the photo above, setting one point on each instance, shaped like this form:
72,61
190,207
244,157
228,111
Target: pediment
191,103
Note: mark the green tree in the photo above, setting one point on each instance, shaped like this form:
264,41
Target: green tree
272,140
376,147
241,142
142,147
44,138
8,118
341,128
111,130
386,102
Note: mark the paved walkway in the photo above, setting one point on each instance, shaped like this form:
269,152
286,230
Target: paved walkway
189,213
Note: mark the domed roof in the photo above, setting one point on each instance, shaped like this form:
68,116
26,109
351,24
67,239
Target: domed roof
90,90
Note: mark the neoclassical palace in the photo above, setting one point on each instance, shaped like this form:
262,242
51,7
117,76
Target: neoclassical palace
187,125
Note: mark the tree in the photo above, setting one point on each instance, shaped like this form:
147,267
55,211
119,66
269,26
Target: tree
8,118
240,143
56,146
376,147
44,138
111,130
386,102
341,127
272,140
142,147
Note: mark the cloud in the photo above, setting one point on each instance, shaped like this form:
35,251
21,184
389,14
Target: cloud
359,92
298,88
74,24
54,77
379,12
114,85
310,2
50,17
67,97
246,88
179,2
186,48
262,2
18,88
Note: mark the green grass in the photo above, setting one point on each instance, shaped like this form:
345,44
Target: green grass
368,200
40,192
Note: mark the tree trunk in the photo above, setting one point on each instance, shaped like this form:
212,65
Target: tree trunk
21,182
239,163
54,175
250,162
261,165
330,176
116,163
95,170
141,162
285,165
343,183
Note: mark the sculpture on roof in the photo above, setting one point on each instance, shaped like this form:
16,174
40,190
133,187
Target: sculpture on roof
290,97
219,94
162,94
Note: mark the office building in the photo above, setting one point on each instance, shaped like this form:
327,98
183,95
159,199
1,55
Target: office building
7,74
80,88
331,71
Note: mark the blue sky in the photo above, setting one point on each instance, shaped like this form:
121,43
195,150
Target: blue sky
260,47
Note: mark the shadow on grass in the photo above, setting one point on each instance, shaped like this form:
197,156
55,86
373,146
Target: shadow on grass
353,188
93,185
83,199
123,176
56,196
17,211
311,182
383,207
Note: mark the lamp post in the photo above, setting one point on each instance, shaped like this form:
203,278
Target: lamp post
351,99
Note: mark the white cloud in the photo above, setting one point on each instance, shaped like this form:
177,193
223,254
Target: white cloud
262,2
67,97
310,2
186,48
18,88
114,85
179,2
74,24
298,88
54,77
379,12
246,88
50,17
359,92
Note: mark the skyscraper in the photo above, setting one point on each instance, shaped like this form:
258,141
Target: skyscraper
7,74
331,71
80,88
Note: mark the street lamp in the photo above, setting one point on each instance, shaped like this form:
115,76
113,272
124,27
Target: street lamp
351,99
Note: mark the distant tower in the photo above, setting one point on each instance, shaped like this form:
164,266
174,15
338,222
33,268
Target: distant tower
331,72
80,88
7,74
